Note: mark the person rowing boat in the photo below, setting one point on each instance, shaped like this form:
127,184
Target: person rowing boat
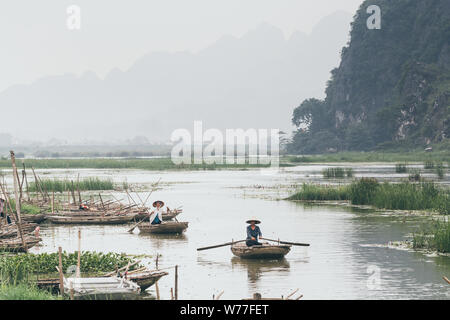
253,232
156,215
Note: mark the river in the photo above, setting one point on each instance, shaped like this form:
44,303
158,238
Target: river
348,257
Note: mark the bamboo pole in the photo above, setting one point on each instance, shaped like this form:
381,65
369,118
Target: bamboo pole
176,282
73,193
156,283
79,254
16,195
53,202
61,276
78,188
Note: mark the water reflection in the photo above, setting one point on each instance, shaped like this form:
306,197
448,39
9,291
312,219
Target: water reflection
256,268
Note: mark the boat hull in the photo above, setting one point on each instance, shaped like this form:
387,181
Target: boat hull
169,227
266,251
90,219
167,216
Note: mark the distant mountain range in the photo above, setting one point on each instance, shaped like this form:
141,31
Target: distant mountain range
250,82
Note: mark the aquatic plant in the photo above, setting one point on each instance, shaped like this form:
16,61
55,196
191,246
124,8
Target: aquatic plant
25,292
62,185
429,164
435,237
19,268
440,171
309,192
401,168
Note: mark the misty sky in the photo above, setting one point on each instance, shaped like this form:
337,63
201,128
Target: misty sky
35,41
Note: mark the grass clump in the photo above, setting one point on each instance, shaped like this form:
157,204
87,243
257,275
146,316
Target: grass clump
436,237
24,292
401,168
62,185
337,173
310,192
368,191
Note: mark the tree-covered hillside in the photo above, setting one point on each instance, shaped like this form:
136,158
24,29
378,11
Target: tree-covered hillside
392,87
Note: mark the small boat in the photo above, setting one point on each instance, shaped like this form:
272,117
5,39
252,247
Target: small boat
165,227
265,251
147,278
167,216
90,219
101,288
34,218
11,230
16,245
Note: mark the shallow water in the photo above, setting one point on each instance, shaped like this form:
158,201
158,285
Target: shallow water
347,258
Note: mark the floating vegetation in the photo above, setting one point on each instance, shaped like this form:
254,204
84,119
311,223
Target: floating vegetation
18,268
414,175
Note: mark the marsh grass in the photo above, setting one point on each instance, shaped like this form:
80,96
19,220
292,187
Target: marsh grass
310,192
26,208
337,173
440,171
24,292
401,168
368,191
127,163
435,237
62,185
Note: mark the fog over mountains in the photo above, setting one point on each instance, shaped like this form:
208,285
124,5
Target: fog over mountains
250,82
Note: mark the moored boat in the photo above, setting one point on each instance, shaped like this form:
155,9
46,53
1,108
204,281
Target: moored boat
146,279
165,227
34,218
90,219
101,288
264,251
16,245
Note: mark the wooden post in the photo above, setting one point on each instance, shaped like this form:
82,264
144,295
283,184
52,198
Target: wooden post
171,293
156,284
79,254
16,195
78,188
73,193
176,282
103,205
61,277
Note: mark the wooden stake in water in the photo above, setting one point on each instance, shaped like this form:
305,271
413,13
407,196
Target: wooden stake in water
61,277
16,194
176,282
79,254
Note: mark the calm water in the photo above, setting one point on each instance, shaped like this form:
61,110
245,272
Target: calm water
345,243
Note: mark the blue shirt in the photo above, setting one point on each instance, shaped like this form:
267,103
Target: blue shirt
253,233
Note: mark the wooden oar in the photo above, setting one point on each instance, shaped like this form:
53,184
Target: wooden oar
446,280
285,242
220,245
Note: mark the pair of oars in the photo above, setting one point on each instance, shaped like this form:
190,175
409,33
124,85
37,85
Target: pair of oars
234,242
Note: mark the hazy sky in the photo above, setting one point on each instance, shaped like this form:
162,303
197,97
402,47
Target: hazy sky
36,42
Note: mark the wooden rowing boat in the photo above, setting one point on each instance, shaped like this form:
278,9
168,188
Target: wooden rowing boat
90,219
16,245
11,230
34,218
167,216
101,288
165,227
265,251
146,279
